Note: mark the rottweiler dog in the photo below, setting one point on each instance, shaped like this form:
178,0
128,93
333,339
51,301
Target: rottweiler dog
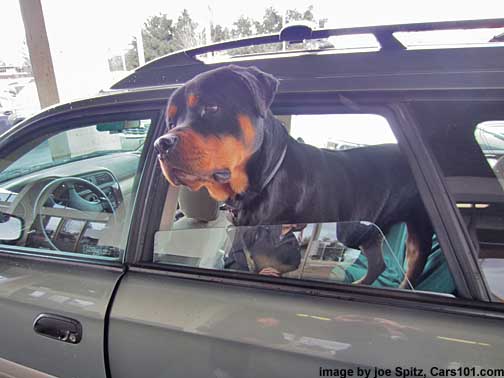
222,135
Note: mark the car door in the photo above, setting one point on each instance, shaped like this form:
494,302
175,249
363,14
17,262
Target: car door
181,313
68,181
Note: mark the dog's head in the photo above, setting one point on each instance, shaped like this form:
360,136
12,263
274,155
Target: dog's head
215,123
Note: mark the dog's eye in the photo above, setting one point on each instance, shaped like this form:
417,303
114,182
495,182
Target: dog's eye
171,125
210,109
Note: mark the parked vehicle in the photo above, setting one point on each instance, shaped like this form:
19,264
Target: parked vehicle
5,114
108,271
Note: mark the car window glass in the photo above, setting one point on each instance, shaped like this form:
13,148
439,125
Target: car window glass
308,251
468,143
74,190
490,137
78,144
486,216
202,233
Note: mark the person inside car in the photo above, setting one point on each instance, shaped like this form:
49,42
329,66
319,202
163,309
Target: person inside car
271,250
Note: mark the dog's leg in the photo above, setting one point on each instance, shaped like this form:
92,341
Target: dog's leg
418,248
376,265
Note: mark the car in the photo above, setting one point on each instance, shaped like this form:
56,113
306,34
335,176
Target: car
107,270
5,114
26,101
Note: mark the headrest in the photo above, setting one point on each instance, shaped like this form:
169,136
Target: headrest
198,205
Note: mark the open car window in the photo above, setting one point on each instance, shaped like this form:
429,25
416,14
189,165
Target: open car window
199,232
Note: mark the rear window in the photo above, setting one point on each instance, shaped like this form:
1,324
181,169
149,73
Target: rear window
467,139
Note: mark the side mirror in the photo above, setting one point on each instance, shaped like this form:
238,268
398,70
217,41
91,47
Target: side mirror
11,227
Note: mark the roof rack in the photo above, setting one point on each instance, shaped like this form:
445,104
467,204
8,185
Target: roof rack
297,33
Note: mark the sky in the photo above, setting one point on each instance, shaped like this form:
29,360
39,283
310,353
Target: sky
111,24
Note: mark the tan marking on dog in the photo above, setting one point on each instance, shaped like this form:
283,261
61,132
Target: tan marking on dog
192,100
248,129
171,111
165,171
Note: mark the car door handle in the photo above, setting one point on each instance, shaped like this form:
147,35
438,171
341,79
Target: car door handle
58,327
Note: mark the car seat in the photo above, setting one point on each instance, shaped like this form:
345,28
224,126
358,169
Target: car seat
196,239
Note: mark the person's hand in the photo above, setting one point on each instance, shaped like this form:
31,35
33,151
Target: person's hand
269,271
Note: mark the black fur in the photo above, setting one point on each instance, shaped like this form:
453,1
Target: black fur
372,184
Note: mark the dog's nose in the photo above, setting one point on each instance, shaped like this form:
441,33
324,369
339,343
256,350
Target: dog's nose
165,143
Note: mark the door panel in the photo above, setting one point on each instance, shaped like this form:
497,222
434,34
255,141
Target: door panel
179,328
9,369
29,288
72,179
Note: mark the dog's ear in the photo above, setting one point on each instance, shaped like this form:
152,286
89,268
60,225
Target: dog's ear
262,86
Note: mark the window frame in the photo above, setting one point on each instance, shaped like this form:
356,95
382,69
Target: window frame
446,219
41,127
392,108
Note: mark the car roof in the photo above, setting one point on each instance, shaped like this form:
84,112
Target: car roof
390,67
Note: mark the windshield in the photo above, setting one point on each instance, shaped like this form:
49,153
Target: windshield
83,143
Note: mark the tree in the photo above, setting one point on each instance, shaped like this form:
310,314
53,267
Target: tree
272,22
162,36
157,33
131,56
243,27
184,33
220,34
295,15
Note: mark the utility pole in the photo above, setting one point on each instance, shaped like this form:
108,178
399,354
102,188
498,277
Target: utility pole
208,34
140,47
43,70
40,53
284,23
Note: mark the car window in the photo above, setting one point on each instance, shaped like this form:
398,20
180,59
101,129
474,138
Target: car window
201,232
468,142
80,144
72,192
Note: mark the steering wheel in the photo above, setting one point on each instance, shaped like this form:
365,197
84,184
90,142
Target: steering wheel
78,203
